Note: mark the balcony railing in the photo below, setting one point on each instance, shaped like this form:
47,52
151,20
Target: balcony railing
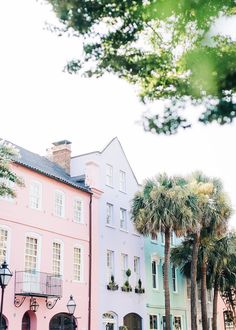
37,284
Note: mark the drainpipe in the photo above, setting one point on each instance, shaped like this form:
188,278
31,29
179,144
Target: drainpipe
90,262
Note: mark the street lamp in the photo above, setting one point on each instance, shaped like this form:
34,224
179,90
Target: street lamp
71,306
5,276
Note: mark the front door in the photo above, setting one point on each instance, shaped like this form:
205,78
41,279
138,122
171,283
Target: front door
133,321
62,322
25,322
177,323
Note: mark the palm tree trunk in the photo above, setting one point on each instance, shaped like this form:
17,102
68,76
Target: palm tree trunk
194,299
215,303
204,295
166,278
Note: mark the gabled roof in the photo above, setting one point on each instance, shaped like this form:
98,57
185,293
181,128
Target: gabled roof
46,167
100,152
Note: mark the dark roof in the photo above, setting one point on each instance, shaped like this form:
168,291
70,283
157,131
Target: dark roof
44,166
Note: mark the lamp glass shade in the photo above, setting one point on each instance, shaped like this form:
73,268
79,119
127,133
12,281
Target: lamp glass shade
34,305
5,274
71,305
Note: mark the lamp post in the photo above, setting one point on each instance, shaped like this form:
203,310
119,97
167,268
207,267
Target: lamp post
5,276
71,306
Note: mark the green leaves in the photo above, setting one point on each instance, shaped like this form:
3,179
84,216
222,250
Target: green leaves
162,46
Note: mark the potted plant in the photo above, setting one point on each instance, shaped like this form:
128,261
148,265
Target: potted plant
138,288
112,284
123,327
127,287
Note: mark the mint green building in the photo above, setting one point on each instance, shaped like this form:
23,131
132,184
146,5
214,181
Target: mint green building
155,301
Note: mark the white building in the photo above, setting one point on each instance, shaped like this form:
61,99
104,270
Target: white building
119,247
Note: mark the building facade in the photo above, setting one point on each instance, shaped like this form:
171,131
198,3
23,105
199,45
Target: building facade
121,281
45,239
154,261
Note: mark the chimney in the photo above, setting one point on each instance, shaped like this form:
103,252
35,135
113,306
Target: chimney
60,154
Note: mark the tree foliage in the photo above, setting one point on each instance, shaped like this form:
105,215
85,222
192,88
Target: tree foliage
162,46
7,175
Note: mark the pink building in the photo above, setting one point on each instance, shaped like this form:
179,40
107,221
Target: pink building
45,236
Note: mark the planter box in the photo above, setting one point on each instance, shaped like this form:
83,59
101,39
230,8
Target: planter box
139,290
113,287
126,289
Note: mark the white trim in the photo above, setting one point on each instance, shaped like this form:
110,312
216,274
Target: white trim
8,245
156,260
62,255
81,247
158,321
40,194
63,203
78,199
39,248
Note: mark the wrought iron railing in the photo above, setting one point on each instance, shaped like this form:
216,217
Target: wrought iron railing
37,284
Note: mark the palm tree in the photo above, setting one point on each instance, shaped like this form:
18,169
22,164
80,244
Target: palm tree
7,154
221,265
163,206
222,272
211,215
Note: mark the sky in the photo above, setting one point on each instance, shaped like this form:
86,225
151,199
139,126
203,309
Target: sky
41,104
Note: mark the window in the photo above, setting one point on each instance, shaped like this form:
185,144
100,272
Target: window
209,296
77,264
199,292
162,238
154,275
78,210
110,264
4,236
35,195
172,238
153,322
31,254
109,215
122,181
57,259
109,175
154,237
124,266
59,203
137,268
8,184
188,288
177,323
174,278
123,220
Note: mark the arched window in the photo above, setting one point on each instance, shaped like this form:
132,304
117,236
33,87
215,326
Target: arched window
109,321
62,321
133,321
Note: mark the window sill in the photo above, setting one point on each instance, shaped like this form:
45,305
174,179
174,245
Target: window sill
110,226
124,230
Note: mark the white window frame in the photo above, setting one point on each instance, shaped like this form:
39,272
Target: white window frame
181,320
109,214
62,215
39,246
8,243
137,268
123,220
188,288
154,239
157,318
57,241
162,236
81,265
34,196
124,266
174,279
172,238
110,256
109,175
122,181
153,259
76,210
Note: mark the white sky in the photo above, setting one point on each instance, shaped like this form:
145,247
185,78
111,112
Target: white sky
40,104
